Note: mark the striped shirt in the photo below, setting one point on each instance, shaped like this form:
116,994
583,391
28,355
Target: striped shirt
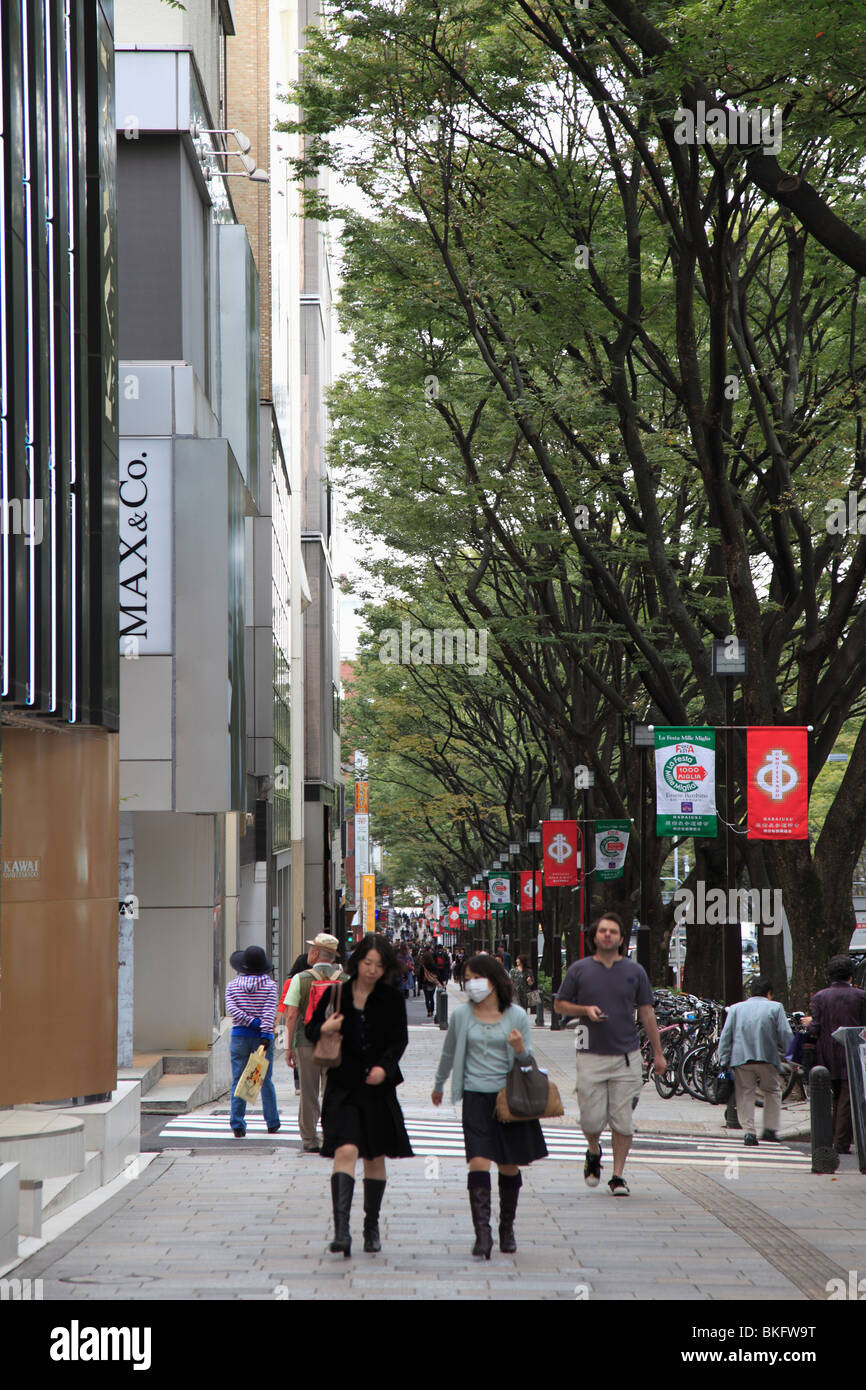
252,996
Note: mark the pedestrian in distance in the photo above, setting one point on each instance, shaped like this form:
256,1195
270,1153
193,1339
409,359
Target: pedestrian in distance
361,1115
755,1037
302,962
840,1005
482,1041
322,956
523,982
602,992
429,979
251,1001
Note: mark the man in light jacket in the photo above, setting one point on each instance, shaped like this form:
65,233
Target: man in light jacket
751,1040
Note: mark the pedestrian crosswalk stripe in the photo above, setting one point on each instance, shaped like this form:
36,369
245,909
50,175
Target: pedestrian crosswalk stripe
442,1137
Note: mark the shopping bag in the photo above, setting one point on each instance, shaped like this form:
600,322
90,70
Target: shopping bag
251,1078
553,1108
526,1088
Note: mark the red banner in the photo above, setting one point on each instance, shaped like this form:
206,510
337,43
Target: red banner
475,904
559,841
454,916
778,783
526,904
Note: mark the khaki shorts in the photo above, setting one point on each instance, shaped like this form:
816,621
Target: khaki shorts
607,1087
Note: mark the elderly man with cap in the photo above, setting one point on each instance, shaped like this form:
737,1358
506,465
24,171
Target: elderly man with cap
321,959
251,999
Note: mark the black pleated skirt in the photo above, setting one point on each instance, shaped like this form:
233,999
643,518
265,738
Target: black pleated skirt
519,1143
369,1117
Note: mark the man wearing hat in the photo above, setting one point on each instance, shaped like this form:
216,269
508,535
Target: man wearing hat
321,958
251,999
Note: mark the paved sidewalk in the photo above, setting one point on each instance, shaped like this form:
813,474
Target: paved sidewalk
246,1220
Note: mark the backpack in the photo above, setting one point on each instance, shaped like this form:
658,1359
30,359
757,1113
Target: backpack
317,989
282,1006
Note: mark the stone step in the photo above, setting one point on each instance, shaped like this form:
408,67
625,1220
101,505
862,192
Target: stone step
44,1143
147,1068
59,1193
185,1063
175,1094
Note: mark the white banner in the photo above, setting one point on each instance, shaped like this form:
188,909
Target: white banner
362,844
500,890
145,525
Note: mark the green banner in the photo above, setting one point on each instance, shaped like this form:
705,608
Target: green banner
611,847
685,782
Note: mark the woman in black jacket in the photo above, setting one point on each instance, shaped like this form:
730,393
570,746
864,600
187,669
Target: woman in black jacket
361,1116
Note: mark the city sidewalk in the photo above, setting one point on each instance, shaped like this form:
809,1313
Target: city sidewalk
250,1220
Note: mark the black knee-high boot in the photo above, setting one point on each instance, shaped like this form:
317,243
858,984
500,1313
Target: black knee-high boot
342,1188
374,1191
479,1202
509,1191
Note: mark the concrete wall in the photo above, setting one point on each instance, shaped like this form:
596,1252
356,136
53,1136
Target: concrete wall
174,936
153,24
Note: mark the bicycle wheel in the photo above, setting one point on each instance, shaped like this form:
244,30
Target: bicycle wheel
692,1070
667,1085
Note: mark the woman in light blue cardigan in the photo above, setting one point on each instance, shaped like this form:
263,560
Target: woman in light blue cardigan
482,1042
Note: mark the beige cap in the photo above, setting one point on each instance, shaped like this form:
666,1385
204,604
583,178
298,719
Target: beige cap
328,943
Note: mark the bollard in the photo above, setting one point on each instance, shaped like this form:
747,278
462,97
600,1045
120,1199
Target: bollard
824,1157
442,1007
732,1120
539,1011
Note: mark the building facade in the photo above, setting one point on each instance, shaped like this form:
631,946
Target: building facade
194,475
58,550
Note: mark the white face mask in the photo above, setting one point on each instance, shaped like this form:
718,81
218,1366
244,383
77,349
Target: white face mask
478,989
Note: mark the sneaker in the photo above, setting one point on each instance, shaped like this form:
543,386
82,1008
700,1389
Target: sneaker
750,1141
618,1187
311,1149
239,1133
272,1129
771,1136
592,1168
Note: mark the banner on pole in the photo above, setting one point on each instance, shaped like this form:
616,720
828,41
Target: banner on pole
369,893
559,841
526,903
499,887
611,847
777,800
686,782
475,903
454,917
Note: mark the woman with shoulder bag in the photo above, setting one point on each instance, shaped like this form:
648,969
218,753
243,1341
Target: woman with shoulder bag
522,982
361,1116
482,1042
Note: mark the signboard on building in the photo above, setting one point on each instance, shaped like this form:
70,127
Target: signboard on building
145,532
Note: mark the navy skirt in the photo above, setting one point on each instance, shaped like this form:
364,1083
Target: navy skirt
369,1117
516,1144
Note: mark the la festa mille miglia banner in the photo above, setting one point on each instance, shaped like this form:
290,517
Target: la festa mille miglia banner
686,782
777,801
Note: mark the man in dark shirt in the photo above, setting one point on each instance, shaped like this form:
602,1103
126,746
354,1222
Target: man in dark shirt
603,991
838,1006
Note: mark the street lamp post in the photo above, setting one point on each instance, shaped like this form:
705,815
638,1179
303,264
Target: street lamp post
643,737
533,839
730,660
